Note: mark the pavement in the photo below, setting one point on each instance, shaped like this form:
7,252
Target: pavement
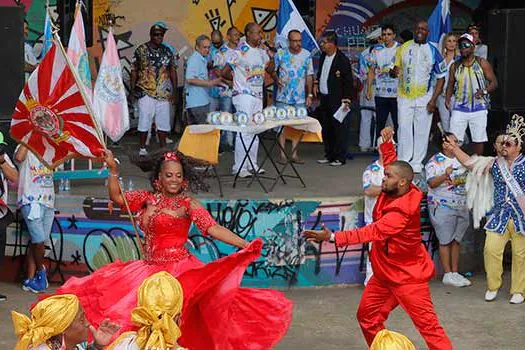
324,318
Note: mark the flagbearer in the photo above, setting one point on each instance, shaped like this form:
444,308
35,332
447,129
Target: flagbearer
36,201
152,75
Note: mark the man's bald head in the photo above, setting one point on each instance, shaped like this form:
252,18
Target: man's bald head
404,170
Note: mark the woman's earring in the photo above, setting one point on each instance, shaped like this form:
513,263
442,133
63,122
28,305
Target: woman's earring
157,185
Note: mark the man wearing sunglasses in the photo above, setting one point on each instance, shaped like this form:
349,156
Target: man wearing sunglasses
467,83
499,183
154,85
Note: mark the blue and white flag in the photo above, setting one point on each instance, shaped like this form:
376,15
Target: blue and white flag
439,23
47,39
289,18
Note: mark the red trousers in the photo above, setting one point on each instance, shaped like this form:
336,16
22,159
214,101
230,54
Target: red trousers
380,299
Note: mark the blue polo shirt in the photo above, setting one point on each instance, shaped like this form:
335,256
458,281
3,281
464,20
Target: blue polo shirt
197,68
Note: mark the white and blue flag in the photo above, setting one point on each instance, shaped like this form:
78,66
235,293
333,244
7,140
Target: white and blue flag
47,39
439,23
289,18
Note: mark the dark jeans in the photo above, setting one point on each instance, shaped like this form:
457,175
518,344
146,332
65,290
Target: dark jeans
4,222
335,134
385,106
198,115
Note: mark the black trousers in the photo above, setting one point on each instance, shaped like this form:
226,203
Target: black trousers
384,106
4,222
335,134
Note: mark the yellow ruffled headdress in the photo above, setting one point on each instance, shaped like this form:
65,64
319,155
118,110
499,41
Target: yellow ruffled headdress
50,317
388,340
159,301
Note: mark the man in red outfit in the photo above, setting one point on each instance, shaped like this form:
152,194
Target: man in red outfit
402,266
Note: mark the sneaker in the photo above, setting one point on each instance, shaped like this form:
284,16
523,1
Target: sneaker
168,140
143,152
449,280
42,278
323,161
33,285
517,298
491,295
462,279
3,297
336,163
245,173
260,171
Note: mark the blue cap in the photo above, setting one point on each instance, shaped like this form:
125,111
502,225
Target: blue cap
160,24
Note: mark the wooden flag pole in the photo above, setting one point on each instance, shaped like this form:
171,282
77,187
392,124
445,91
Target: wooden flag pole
99,132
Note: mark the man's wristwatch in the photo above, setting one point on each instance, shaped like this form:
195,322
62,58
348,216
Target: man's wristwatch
310,95
485,92
332,237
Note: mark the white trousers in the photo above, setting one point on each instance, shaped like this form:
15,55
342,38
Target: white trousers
414,131
366,128
249,105
444,113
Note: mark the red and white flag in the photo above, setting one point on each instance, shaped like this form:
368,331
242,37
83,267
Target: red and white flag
51,117
77,51
109,99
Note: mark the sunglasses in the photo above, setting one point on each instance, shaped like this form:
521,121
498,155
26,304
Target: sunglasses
157,34
507,144
465,45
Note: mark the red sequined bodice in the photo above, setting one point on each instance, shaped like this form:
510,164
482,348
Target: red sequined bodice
165,222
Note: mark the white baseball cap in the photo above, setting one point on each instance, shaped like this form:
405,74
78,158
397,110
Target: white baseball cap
468,37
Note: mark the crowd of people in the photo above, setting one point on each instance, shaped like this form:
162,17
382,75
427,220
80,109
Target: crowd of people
175,299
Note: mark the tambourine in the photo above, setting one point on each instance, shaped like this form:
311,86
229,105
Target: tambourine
258,118
281,114
302,113
291,112
226,118
241,118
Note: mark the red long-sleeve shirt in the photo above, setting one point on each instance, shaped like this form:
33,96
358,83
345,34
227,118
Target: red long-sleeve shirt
397,255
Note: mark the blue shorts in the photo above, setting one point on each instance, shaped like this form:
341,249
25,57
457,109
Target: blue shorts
39,228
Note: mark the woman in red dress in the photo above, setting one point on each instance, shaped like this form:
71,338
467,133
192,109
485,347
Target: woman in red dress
217,312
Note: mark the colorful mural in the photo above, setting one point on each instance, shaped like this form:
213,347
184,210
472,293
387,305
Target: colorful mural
87,235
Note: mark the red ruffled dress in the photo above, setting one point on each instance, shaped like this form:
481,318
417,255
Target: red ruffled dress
217,312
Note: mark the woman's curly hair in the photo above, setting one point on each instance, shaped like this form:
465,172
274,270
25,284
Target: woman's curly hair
195,179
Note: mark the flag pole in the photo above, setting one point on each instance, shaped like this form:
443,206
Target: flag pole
97,128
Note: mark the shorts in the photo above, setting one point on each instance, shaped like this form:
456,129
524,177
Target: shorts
152,109
449,224
476,121
198,115
39,228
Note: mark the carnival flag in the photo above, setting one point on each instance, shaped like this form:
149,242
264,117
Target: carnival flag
77,51
51,117
47,40
109,99
439,23
289,18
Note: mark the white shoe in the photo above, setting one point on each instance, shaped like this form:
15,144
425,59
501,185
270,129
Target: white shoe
168,140
336,163
491,295
459,277
260,171
517,298
450,280
245,173
323,161
143,152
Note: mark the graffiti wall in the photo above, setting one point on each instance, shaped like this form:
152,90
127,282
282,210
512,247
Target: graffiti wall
88,234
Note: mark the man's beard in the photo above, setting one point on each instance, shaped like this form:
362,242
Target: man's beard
390,192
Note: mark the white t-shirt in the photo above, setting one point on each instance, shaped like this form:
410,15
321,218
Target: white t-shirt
4,190
35,182
29,57
325,71
373,176
453,195
248,64
382,59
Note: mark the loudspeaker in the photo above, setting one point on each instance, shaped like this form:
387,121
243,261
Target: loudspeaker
66,18
506,51
11,58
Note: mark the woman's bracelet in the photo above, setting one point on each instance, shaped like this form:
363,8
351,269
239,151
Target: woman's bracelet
114,175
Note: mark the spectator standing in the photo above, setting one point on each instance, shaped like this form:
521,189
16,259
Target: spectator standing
246,66
334,84
466,82
450,54
417,63
30,60
153,82
7,172
197,84
447,205
382,61
36,201
294,73
481,49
